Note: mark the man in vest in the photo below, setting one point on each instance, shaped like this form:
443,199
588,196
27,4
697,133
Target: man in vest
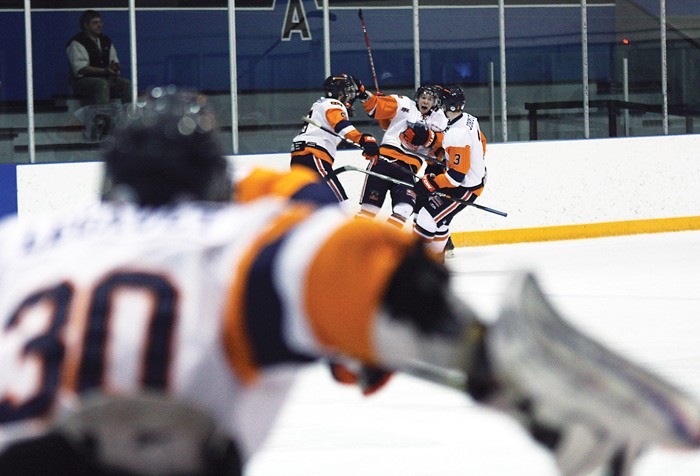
94,73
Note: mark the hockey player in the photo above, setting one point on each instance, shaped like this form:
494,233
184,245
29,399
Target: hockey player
464,149
315,148
394,113
158,332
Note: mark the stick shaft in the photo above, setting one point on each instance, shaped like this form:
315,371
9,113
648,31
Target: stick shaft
346,168
369,50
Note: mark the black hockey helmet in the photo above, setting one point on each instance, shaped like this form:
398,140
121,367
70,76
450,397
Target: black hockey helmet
451,98
339,85
166,151
431,90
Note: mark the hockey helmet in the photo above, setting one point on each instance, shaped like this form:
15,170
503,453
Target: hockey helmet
166,150
431,90
339,85
451,98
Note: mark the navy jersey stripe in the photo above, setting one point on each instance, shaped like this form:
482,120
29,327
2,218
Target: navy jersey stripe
342,125
317,193
263,312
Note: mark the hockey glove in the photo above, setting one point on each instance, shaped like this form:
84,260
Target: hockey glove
417,135
342,374
370,379
425,187
433,168
360,91
369,146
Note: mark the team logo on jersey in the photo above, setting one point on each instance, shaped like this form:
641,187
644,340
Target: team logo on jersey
435,202
404,109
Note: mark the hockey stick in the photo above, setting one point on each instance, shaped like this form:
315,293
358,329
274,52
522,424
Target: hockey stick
346,168
369,50
391,179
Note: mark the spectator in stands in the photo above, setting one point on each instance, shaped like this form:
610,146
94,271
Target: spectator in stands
94,73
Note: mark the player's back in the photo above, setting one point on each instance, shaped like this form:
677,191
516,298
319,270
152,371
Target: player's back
119,299
463,137
319,113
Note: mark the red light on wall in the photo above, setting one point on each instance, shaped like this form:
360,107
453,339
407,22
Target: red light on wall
625,41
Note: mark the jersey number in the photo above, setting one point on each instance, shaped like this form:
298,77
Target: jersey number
37,323
306,124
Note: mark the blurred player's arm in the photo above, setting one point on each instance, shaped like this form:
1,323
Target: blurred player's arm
299,183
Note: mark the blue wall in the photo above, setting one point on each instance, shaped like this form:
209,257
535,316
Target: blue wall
190,47
8,189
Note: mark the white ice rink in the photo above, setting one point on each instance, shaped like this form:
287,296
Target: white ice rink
639,294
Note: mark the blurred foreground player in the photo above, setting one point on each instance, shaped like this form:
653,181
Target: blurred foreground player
158,333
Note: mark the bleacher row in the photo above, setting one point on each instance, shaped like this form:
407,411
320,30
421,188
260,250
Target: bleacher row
266,126
58,133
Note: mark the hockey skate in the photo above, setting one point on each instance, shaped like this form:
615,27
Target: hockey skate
449,248
593,408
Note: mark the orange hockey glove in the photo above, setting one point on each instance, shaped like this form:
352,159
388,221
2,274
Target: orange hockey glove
416,135
425,187
369,146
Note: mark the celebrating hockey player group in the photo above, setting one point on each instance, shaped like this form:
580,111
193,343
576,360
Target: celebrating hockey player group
159,331
430,133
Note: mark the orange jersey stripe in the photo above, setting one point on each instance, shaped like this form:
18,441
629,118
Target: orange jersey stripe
236,343
460,161
320,153
341,308
335,116
265,182
381,107
395,154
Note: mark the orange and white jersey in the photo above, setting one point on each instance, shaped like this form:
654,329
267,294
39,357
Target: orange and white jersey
202,301
465,152
331,114
394,112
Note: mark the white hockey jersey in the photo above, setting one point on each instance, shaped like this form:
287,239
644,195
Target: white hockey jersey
465,152
333,115
394,113
198,301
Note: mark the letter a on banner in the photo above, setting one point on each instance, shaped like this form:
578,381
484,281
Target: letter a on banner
295,21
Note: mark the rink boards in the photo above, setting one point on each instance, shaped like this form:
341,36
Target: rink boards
550,189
